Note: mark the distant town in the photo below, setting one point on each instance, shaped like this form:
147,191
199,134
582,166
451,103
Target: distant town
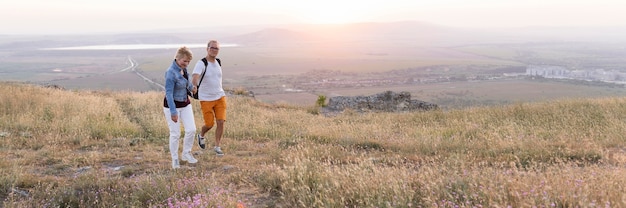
559,72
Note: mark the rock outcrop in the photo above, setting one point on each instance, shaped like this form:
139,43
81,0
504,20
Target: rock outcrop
383,102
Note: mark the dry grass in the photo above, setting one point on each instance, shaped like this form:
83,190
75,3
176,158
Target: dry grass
109,149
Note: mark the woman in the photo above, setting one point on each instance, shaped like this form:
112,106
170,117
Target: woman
177,106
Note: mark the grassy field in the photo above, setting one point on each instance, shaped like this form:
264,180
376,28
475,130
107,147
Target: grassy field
576,55
109,149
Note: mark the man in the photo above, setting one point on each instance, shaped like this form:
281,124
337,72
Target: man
211,95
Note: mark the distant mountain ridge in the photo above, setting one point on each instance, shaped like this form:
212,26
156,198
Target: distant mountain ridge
343,33
422,33
402,32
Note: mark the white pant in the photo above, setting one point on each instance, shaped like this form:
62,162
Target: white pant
185,115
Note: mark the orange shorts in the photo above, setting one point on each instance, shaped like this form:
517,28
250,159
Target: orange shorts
213,110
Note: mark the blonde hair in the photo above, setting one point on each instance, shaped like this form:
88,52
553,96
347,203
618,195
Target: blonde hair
184,52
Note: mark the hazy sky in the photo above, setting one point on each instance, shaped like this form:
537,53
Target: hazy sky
84,16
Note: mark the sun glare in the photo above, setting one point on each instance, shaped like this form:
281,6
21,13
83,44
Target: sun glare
335,17
339,12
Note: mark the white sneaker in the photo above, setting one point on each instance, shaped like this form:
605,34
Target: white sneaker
218,151
189,158
175,164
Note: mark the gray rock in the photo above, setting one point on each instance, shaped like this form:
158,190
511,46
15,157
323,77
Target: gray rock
383,102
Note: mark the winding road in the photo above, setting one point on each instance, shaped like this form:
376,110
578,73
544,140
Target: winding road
133,68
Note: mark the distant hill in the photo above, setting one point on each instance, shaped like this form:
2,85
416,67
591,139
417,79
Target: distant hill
270,35
416,32
422,33
403,32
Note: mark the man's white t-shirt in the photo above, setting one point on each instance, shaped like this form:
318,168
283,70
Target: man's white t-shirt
211,87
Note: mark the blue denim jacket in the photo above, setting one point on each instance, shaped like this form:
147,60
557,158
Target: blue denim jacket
176,86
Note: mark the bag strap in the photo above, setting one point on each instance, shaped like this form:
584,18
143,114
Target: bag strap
206,63
202,76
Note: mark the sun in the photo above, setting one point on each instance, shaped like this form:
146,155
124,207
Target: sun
337,12
330,17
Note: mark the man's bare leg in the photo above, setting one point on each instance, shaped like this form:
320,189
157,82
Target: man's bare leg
218,137
219,132
204,130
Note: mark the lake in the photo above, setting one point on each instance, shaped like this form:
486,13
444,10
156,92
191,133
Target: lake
136,46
